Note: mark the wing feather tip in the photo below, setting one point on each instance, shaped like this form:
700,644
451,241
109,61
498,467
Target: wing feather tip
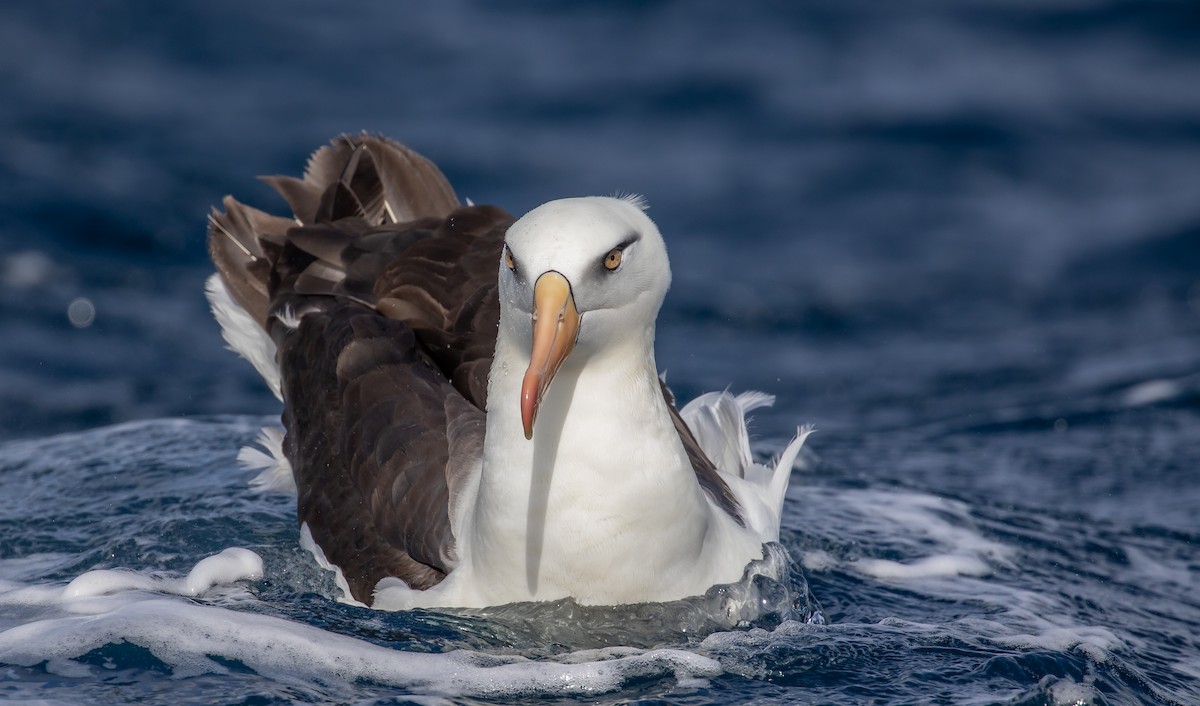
753,399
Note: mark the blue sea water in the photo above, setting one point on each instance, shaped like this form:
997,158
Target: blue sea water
961,237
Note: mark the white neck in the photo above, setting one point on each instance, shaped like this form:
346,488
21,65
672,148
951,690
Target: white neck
602,504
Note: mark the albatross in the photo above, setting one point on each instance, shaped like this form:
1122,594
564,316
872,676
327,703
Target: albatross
472,411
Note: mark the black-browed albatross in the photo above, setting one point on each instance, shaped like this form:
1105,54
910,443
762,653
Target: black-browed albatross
472,409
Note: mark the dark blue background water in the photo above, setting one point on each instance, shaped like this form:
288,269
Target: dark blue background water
962,238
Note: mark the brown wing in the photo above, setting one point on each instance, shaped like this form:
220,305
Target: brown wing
368,416
445,289
385,412
380,431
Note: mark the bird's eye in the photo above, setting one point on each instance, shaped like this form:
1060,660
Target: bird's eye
613,259
509,262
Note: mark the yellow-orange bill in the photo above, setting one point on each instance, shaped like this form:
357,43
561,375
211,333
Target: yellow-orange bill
555,328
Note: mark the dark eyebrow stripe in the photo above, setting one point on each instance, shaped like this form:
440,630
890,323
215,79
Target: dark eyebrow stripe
620,247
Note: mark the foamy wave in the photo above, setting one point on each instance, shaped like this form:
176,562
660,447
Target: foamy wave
183,635
945,555
110,607
940,530
233,564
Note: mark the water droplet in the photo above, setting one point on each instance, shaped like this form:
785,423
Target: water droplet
81,312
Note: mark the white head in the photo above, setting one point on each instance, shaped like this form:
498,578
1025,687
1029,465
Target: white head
584,274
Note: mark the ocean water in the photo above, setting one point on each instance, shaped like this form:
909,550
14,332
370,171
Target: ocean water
961,238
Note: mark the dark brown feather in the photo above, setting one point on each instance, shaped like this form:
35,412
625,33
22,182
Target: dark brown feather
239,240
366,435
374,170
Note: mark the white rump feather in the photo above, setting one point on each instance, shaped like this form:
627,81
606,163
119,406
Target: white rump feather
243,334
275,471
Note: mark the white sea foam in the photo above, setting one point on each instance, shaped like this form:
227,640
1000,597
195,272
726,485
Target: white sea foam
939,565
818,560
1152,392
1065,692
113,606
1142,567
233,564
183,634
940,528
947,556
